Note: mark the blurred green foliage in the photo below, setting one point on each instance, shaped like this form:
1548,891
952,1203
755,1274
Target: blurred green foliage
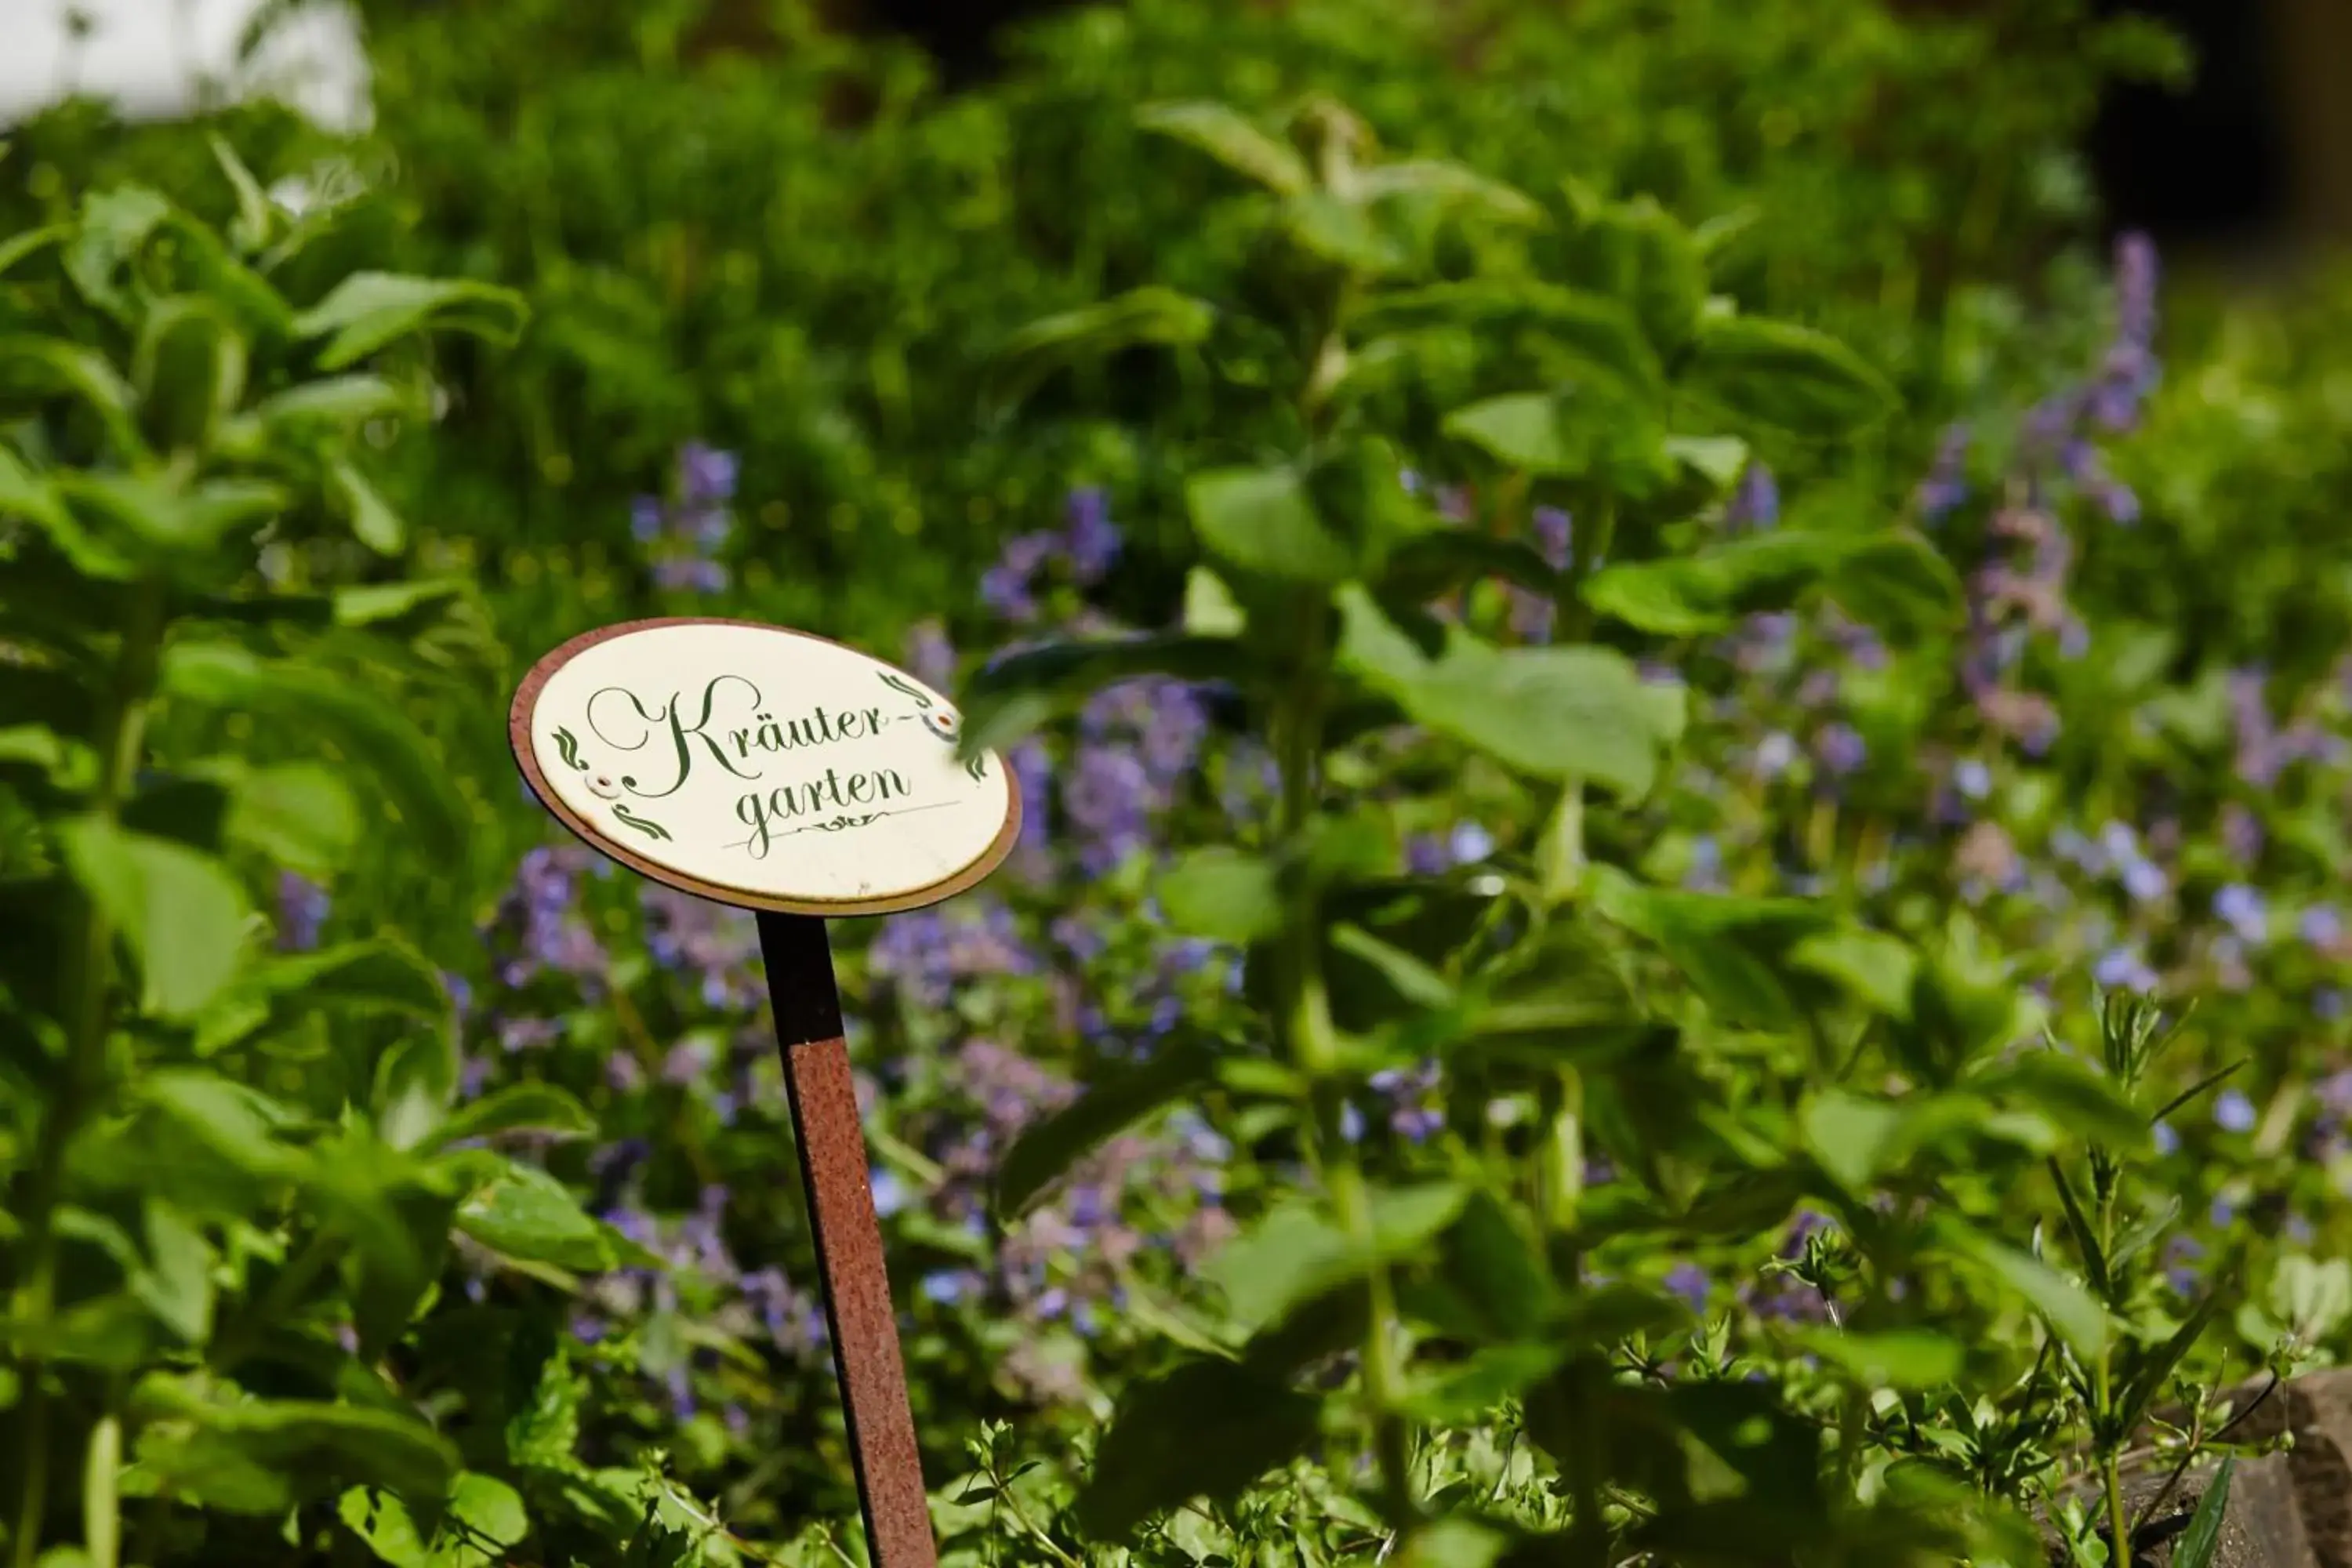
1633,325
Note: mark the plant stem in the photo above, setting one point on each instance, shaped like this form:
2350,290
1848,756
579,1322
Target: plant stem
122,724
1314,1046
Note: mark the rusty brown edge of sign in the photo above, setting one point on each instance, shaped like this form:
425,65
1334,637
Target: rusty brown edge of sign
518,737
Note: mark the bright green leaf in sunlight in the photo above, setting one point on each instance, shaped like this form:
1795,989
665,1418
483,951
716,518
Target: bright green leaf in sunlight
1223,894
2070,1311
1892,1358
179,910
527,1214
1553,712
1262,521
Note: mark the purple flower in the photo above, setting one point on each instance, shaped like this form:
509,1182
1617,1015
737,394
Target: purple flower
1007,587
706,476
1689,1281
1092,538
302,906
1033,768
1555,530
930,657
1972,779
1755,503
646,518
2233,1112
1839,750
2321,925
2145,882
2124,969
1107,797
1947,484
2240,908
1470,844
2168,1142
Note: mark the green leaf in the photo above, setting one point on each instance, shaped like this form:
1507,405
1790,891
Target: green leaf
202,1131
189,370
1207,1430
1446,182
1730,949
1048,1148
2075,1095
115,224
1596,333
2154,1370
519,1107
312,412
1895,581
1021,692
1341,233
1523,430
373,522
1295,1254
32,242
1262,521
1878,968
1849,1136
368,310
1209,607
2200,1543
544,1433
1788,377
1412,978
300,815
1463,1391
176,1284
1551,712
1231,141
316,1445
375,737
488,1515
1856,1140
528,1215
1222,894
256,215
49,366
180,911
1496,1267
2076,1318
1150,315
384,1522
1441,560
1905,1359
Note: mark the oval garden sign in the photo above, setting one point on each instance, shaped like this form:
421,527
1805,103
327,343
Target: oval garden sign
762,767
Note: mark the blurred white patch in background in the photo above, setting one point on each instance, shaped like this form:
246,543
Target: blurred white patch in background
154,58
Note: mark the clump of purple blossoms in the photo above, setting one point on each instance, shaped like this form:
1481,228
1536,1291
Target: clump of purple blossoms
684,537
1068,1260
924,953
1088,544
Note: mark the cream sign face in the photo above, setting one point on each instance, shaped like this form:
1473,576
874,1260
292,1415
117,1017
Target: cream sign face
762,767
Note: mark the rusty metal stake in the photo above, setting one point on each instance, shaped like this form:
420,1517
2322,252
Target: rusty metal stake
863,1325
